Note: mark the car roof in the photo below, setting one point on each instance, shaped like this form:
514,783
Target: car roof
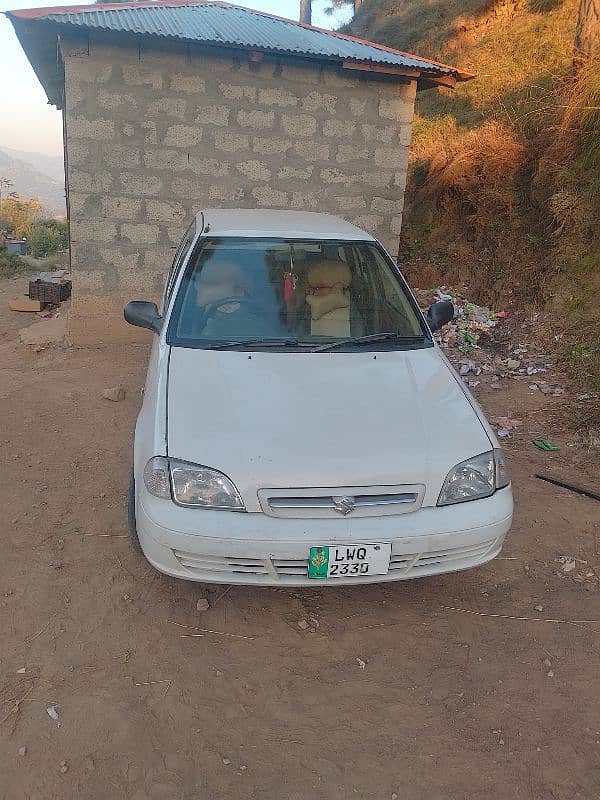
256,223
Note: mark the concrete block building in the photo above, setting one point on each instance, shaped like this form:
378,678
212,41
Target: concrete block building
173,106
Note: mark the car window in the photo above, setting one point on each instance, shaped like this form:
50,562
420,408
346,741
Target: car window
178,260
238,289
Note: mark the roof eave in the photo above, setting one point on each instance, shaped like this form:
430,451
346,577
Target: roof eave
427,66
44,57
32,29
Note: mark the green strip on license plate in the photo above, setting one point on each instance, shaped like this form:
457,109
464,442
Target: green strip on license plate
318,562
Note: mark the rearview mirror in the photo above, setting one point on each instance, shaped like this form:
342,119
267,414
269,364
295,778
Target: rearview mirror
440,314
143,314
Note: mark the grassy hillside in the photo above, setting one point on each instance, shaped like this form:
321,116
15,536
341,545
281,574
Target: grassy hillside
504,188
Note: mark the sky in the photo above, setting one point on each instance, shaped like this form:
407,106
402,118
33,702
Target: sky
28,123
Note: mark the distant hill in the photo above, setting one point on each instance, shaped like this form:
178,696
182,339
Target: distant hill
35,175
53,166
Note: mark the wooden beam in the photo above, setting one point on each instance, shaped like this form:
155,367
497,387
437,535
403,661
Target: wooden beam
445,80
383,69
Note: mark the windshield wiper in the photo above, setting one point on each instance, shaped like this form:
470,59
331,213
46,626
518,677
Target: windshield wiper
371,339
258,343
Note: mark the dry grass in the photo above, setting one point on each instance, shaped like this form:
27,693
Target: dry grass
475,179
504,183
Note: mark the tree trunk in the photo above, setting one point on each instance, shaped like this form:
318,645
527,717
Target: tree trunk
306,11
587,33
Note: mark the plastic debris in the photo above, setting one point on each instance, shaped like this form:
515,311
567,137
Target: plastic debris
362,664
202,604
568,564
303,624
52,712
545,444
22,751
534,370
506,426
546,388
508,422
466,366
470,321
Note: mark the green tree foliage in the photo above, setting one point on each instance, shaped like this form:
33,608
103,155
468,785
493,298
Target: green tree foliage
17,215
11,264
48,236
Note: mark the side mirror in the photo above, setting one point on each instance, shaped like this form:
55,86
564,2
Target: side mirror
143,314
440,314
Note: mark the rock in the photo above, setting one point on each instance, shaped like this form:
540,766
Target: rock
64,767
202,604
21,671
303,624
547,662
227,761
545,388
22,751
513,363
394,796
568,564
550,673
539,608
114,393
243,767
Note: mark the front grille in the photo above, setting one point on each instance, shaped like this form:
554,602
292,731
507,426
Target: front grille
352,501
289,569
442,559
226,565
359,501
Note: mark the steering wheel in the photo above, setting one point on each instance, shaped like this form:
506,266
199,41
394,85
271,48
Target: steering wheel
236,303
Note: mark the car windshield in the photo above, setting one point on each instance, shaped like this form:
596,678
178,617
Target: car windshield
240,292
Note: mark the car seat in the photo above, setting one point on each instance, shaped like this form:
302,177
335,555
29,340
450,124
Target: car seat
328,297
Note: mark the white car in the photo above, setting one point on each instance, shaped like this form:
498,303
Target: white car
300,426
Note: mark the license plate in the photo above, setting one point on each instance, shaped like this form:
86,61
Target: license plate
348,560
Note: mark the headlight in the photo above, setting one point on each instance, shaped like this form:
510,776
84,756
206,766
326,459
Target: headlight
156,477
191,485
475,478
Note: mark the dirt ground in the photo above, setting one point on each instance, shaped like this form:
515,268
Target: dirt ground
431,689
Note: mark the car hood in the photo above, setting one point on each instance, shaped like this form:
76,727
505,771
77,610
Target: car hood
321,420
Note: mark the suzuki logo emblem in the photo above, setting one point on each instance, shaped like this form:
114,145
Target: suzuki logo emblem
343,505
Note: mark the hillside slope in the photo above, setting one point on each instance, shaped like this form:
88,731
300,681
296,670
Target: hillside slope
34,175
504,187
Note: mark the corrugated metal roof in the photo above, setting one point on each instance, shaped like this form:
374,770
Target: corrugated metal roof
218,23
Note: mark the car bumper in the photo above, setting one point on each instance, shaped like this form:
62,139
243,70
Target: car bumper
254,548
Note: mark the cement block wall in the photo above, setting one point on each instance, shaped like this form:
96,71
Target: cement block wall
155,135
